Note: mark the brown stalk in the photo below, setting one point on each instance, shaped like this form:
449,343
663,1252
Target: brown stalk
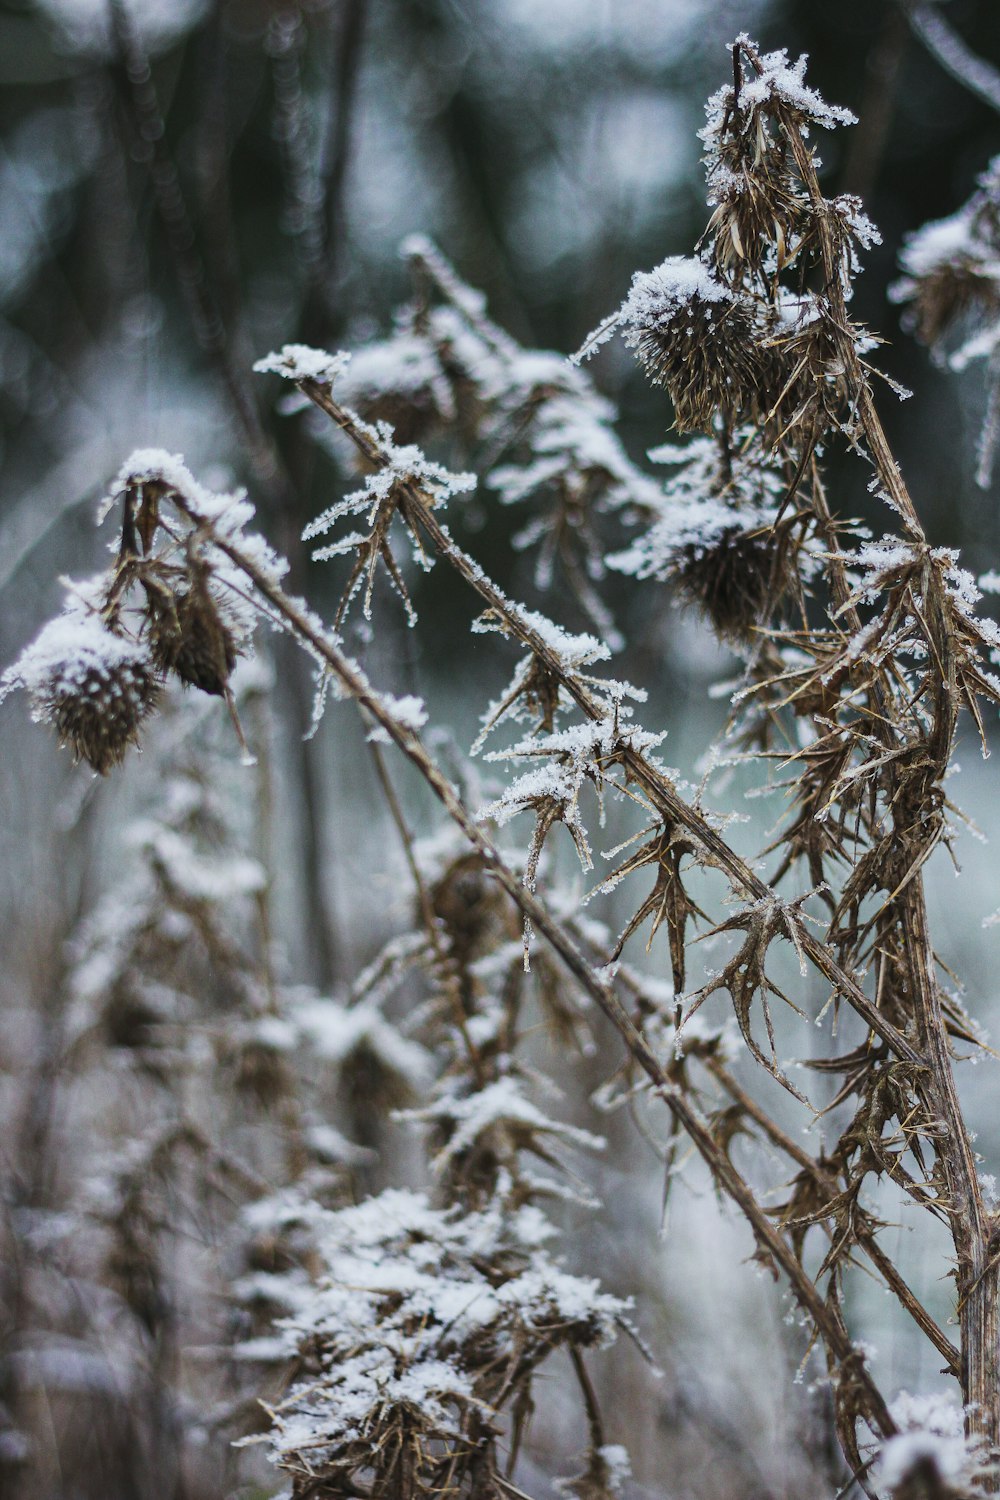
657,787
978,1277
864,1235
770,1241
442,960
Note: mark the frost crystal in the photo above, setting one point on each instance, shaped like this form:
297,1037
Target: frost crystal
417,1316
932,1443
300,362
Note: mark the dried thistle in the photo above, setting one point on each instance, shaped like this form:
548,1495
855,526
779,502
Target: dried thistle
187,633
694,335
763,217
94,686
716,534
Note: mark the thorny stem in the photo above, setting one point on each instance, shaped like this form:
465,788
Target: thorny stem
978,1272
864,1234
972,1227
442,960
770,1241
657,787
590,1402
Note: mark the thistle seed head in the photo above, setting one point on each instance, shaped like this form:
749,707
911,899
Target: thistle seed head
93,686
695,337
947,293
101,715
189,637
729,581
261,1073
805,380
761,209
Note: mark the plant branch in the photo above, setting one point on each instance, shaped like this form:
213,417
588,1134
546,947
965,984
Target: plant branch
298,620
952,53
657,787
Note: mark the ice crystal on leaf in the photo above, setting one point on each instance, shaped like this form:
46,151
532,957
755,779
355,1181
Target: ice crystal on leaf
447,371
536,689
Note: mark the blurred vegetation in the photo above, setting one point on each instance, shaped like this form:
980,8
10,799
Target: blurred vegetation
186,185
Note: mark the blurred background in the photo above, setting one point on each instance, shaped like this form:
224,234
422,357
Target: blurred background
187,184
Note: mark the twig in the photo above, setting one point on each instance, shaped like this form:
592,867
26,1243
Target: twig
657,787
952,52
356,685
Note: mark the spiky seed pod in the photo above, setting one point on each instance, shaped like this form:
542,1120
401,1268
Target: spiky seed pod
94,686
730,580
100,717
716,536
948,292
400,382
760,203
188,636
695,337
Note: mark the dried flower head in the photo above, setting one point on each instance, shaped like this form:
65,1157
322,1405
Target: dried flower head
762,210
951,267
425,1330
729,580
401,381
807,387
715,534
696,337
95,687
187,633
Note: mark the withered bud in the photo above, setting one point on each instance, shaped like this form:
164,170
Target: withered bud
950,265
188,635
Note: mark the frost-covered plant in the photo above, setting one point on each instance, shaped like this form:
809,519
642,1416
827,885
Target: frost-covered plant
178,1105
951,282
417,1320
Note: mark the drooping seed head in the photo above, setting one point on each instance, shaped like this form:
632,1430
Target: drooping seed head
189,637
95,687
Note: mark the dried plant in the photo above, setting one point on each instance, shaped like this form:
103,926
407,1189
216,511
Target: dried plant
417,1321
951,281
